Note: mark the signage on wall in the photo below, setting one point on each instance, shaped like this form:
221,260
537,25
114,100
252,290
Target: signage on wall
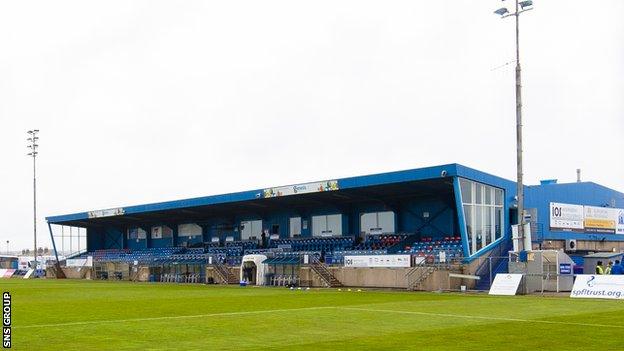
378,261
565,268
590,219
306,188
106,213
600,219
566,217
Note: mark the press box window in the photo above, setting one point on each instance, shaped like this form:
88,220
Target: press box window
377,223
251,229
295,226
330,225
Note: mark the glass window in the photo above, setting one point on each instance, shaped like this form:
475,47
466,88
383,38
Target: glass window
251,229
319,225
466,191
487,235
483,213
479,194
334,224
385,220
469,225
327,225
295,226
377,222
479,226
368,221
499,197
499,220
133,233
190,229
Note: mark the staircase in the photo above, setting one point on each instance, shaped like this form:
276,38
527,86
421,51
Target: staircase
417,275
225,275
323,272
58,271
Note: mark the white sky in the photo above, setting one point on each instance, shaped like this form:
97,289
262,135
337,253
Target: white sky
143,101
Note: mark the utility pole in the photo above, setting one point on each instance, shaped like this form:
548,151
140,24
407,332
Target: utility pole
520,7
33,152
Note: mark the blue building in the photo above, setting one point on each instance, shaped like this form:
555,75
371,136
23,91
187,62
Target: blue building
451,208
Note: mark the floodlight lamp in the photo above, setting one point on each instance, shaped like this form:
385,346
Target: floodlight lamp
526,3
501,11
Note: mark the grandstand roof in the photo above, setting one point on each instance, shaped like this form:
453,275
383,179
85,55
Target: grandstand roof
420,181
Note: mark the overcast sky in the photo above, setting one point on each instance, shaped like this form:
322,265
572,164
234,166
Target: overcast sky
143,101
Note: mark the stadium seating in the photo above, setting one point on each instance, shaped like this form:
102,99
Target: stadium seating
333,250
431,248
314,244
380,242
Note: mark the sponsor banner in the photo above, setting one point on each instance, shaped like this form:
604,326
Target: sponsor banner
566,217
598,287
106,213
565,268
600,219
316,187
619,226
377,261
589,219
6,273
79,262
505,284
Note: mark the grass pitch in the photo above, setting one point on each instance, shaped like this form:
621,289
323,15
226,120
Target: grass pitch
86,315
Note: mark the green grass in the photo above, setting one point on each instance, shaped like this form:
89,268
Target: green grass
85,315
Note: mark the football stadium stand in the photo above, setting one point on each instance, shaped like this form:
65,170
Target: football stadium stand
411,225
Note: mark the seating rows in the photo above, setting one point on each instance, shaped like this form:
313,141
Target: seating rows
334,249
380,242
314,244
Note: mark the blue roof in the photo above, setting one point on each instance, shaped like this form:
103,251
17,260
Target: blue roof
435,172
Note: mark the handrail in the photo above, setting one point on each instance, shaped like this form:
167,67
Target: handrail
74,254
496,252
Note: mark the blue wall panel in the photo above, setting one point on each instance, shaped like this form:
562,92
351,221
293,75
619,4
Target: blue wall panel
585,193
164,242
113,238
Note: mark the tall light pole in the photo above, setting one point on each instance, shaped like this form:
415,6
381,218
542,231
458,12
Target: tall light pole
7,247
33,152
520,7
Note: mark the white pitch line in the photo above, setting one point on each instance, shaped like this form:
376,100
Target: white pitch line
482,317
170,317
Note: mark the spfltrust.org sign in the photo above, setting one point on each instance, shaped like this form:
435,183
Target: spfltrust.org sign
598,286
